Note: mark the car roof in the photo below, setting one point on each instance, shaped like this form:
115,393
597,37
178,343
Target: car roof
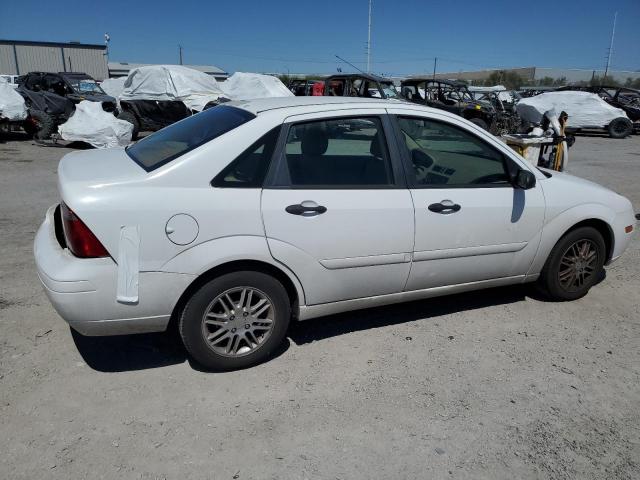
265,104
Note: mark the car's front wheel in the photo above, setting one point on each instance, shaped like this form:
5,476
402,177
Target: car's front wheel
236,320
574,265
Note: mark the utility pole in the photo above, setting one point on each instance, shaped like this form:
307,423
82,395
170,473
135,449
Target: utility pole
180,53
613,33
369,42
435,63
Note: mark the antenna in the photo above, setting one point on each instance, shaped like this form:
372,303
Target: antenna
180,53
613,33
369,42
348,63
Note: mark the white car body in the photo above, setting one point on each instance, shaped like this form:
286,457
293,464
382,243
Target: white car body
167,228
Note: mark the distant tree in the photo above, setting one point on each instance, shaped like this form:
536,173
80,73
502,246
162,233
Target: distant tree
632,83
545,81
511,80
604,80
558,82
286,79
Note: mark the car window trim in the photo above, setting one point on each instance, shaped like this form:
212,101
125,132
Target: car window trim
408,166
277,177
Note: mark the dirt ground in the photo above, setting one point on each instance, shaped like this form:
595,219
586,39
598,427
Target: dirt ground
496,384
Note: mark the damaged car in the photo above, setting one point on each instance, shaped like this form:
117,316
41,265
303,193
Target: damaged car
451,96
156,96
51,99
360,85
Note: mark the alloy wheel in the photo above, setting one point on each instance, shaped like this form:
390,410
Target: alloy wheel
577,265
238,321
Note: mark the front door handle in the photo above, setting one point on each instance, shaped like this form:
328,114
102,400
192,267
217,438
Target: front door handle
445,207
302,209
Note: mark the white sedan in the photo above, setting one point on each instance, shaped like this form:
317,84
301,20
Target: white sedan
237,219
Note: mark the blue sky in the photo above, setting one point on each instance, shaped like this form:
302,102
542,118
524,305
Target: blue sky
304,35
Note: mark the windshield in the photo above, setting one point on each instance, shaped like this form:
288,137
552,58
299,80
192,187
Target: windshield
390,90
175,140
84,85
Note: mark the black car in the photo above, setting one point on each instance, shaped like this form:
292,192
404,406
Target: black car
627,99
359,85
51,99
450,96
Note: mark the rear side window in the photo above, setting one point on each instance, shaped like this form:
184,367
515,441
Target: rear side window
175,140
250,168
340,153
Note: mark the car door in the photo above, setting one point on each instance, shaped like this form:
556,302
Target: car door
335,208
471,224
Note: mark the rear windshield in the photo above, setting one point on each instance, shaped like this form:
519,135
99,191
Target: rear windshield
177,139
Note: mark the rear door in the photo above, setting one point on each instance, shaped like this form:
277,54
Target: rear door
335,208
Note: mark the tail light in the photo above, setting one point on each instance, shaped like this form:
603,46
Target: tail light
80,240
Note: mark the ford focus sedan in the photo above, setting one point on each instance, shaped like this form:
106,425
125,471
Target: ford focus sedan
238,219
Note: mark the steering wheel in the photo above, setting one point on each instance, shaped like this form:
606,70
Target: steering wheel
492,178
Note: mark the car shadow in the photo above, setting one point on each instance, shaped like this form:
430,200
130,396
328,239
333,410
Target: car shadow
343,323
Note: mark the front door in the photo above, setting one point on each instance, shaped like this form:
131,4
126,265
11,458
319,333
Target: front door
335,210
471,223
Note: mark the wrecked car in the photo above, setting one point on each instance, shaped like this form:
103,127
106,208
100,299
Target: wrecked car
359,85
628,99
587,111
502,101
451,96
156,96
51,99
307,88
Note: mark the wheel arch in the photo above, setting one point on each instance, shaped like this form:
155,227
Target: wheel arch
235,266
603,228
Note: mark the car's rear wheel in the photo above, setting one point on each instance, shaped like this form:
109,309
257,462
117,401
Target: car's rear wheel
574,265
236,320
131,118
620,128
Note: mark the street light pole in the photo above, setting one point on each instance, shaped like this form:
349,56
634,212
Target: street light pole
369,42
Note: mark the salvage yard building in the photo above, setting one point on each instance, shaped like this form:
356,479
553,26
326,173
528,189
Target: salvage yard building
18,57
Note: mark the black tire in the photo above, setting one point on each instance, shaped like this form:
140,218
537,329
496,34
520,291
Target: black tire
549,281
39,124
620,128
192,322
479,122
131,118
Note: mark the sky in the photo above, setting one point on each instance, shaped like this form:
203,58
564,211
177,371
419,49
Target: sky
304,36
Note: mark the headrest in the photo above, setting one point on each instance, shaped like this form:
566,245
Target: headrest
314,141
375,149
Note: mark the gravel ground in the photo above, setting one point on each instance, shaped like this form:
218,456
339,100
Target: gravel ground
495,384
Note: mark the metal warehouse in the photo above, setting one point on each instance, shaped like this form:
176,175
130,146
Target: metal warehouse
18,57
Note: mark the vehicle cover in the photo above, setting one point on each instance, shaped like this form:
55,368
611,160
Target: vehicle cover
114,87
171,82
12,106
247,86
503,94
584,109
91,124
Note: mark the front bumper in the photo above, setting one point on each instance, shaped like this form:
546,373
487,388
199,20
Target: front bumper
83,290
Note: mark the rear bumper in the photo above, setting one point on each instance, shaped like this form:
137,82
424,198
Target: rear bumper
83,290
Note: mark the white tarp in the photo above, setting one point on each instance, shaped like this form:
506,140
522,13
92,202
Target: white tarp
247,86
171,82
91,124
584,109
501,90
114,87
12,105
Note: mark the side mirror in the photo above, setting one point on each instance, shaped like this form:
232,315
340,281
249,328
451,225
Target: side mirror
525,180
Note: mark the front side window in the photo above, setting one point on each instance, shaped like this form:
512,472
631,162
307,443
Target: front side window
175,140
443,155
338,153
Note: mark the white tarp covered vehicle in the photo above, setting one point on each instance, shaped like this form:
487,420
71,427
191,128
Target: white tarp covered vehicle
586,110
503,94
171,82
248,86
91,124
12,106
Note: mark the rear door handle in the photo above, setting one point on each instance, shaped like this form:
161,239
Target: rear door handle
445,207
301,209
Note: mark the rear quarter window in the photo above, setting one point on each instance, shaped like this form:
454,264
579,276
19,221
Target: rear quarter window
175,140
